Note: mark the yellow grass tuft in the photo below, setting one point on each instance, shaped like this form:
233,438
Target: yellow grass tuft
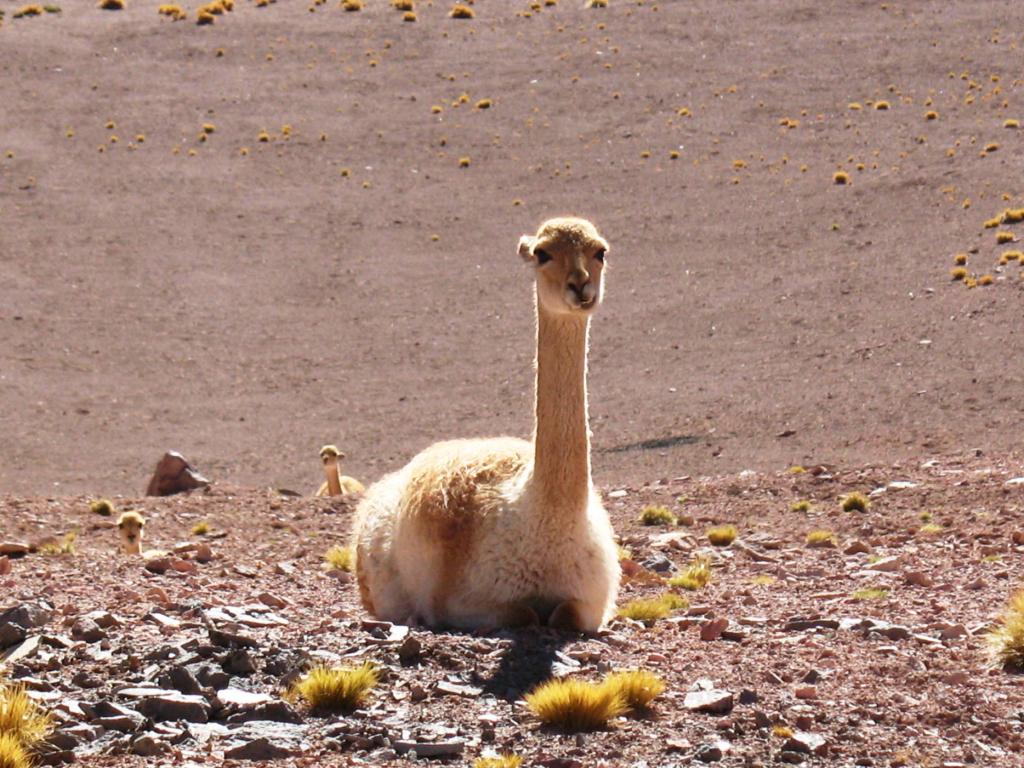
958,273
352,5
402,5
596,4
174,12
111,5
855,105
339,558
263,137
28,10
66,546
800,506
990,147
102,507
484,104
1007,639
722,535
203,16
657,515
694,576
637,687
931,115
201,528
821,539
855,502
572,704
763,580
21,719
409,16
960,259
882,105
986,280
336,689
841,177
12,753
871,593
930,529
462,11
650,610
1004,237
1011,123
500,761
463,162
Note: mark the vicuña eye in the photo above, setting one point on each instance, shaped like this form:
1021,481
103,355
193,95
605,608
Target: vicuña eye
543,257
600,255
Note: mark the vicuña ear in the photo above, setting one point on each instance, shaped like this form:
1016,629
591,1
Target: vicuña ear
526,243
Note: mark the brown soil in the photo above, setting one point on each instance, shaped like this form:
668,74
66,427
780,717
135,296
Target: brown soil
246,310
886,694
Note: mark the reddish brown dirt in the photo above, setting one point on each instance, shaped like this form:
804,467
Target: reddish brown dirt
903,698
246,310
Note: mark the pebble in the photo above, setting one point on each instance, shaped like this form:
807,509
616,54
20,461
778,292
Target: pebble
708,753
15,548
257,749
87,630
712,630
806,742
918,578
887,564
148,746
171,705
806,692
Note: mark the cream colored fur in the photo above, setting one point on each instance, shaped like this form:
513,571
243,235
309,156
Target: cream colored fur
335,483
496,532
129,529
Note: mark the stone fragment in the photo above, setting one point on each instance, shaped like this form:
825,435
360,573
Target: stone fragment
176,706
159,564
716,702
886,564
173,474
87,630
258,749
807,743
709,753
712,630
13,548
449,748
468,691
148,745
5,565
239,662
797,624
805,692
11,634
857,547
918,578
28,615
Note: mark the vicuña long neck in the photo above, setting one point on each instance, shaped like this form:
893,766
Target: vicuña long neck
561,472
331,473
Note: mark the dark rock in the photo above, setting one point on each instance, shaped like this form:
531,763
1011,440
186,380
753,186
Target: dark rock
708,753
274,711
11,634
239,662
257,749
176,706
181,680
211,677
84,679
791,757
798,624
173,474
28,615
87,630
658,564
409,651
748,696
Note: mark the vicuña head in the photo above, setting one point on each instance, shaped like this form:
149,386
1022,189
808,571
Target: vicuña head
129,528
569,257
335,483
502,531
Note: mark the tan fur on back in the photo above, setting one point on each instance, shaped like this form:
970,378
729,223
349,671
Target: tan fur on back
473,533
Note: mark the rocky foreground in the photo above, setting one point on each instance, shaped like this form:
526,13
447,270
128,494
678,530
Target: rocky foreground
867,649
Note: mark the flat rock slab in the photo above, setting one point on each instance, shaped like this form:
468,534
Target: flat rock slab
176,706
807,743
716,702
451,748
15,548
239,698
260,748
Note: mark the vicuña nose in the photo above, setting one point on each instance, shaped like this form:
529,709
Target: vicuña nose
578,281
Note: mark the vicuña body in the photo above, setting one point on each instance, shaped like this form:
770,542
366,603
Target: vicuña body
504,532
335,483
